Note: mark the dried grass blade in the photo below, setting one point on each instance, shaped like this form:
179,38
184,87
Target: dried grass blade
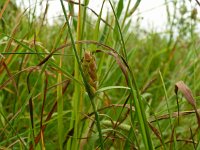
156,132
38,137
119,61
10,75
188,95
4,8
181,86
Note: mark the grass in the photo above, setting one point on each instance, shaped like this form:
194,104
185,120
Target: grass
98,83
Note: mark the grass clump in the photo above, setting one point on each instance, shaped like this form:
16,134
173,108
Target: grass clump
98,83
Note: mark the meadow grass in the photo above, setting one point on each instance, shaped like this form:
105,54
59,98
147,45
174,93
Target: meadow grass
98,83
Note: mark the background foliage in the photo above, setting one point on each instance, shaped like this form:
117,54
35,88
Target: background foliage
86,82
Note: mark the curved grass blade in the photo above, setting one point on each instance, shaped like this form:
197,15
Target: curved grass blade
183,88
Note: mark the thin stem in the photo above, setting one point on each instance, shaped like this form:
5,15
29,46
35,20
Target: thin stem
87,86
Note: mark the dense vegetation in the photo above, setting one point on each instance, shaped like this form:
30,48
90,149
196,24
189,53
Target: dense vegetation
90,83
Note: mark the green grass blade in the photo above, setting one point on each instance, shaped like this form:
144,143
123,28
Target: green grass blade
84,79
119,30
168,109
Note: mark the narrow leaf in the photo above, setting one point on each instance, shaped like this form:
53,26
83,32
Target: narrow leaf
120,8
188,95
185,91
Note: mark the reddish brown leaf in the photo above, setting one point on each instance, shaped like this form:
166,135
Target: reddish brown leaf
119,61
38,137
156,132
42,129
10,75
181,86
188,95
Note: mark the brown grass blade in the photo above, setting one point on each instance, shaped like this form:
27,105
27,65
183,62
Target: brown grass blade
181,86
4,8
10,75
197,2
3,85
156,132
174,115
178,140
38,137
119,61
